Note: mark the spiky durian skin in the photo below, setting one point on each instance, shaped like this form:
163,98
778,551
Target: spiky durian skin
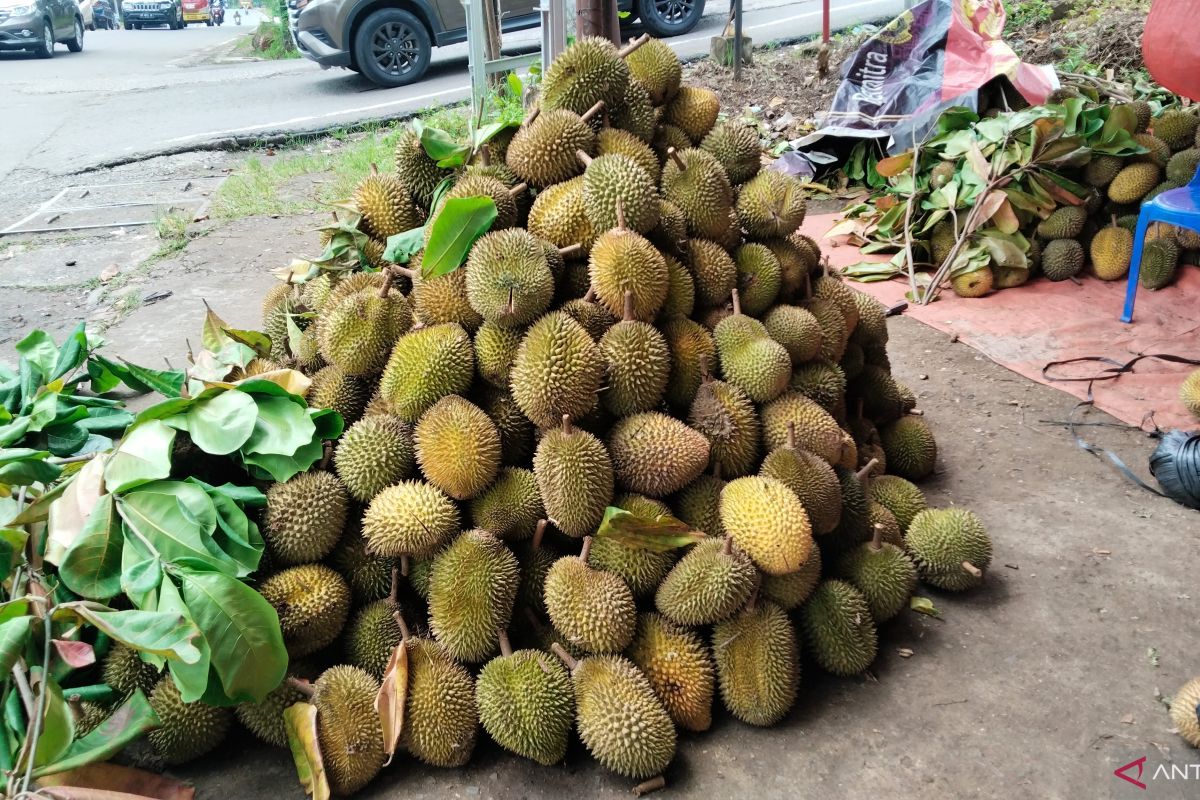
1064,223
472,587
442,299
368,576
885,576
796,329
1184,711
736,147
974,284
634,112
620,719
371,636
305,517
348,727
789,591
508,280
767,520
941,539
426,365
771,204
694,111
614,179
412,518
535,563
816,431
707,585
621,261
823,383
312,602
1189,393
356,330
668,136
714,271
385,205
511,507
681,291
376,452
575,479
1159,261
612,141
910,447
759,278
188,730
691,346
516,431
559,216
758,664
557,371
679,668
421,173
440,716
639,364
899,496
642,569
543,153
657,67
588,71
1177,128
812,480
654,454
725,415
458,447
591,608
1111,250
495,348
527,705
125,671
1133,182
834,333
751,359
345,394
701,191
838,628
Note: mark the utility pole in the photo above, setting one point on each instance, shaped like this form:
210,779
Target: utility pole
598,18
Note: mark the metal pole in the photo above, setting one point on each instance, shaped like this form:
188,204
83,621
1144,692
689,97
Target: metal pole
737,39
476,59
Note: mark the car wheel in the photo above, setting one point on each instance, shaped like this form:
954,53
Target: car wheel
669,17
392,48
46,48
128,26
75,44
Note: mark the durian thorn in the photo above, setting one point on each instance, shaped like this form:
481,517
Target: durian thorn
652,785
516,190
402,625
627,308
877,537
633,45
975,571
374,168
866,470
302,686
404,562
538,533
570,250
593,111
584,158
737,301
505,644
791,435
394,593
727,545
566,425
531,117
586,550
485,155
673,154
564,656
387,283
620,214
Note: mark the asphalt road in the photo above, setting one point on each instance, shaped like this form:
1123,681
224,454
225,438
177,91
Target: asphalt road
132,93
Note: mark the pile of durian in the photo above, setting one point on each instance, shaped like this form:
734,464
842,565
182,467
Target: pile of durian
642,329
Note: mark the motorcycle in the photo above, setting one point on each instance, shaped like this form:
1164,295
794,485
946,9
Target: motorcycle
103,14
218,15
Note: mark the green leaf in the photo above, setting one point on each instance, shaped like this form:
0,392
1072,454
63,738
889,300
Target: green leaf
58,726
103,379
12,545
300,722
923,605
658,535
14,431
143,456
40,351
220,425
142,578
242,630
281,428
328,423
212,335
236,535
106,420
71,355
871,271
24,467
260,343
437,143
14,633
167,635
91,567
268,466
489,131
192,679
247,496
67,440
133,556
461,221
176,519
168,383
401,247
132,719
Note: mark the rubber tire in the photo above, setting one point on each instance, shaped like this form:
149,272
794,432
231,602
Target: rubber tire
43,50
662,29
366,64
128,26
75,45
208,23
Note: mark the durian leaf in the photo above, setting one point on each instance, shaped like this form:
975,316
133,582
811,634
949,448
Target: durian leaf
67,507
177,520
290,380
257,341
923,605
14,633
143,456
401,247
236,535
461,221
25,467
12,544
871,271
220,425
658,535
39,351
191,679
389,703
168,383
167,635
300,721
438,144
281,428
91,567
72,354
128,723
58,725
894,165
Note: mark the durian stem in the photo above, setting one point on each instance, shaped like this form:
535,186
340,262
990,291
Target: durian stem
394,593
593,111
505,645
652,785
564,656
531,117
387,283
859,410
877,538
975,571
405,271
717,470
627,309
374,168
1114,220
865,472
538,533
825,267
302,686
737,301
516,190
673,154
916,412
620,214
570,250
508,309
590,295
633,45
584,158
586,550
566,425
335,217
400,623
326,454
404,566
791,436
807,285
485,155
727,545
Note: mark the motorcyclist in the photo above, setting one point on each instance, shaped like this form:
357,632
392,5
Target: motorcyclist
237,17
218,7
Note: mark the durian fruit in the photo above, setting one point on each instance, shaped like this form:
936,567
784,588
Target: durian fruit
771,204
526,703
348,728
474,184
758,663
791,590
591,608
1062,258
838,628
1142,111
511,507
371,636
634,112
508,278
619,192
264,719
1189,393
1133,182
727,418
750,359
472,587
884,574
543,152
694,111
796,329
421,173
950,548
458,447
345,394
736,147
305,517
795,264
1064,223
679,668
589,71
1111,250
1159,153
385,205
699,503
426,365
442,299
412,518
312,602
535,563
812,480
671,233
559,216
714,271
623,261
883,399
368,576
759,278
815,430
667,137
516,431
681,291
766,519
823,383
440,715
376,452
641,568
654,454
1176,128
1182,166
125,671
612,141
709,584
910,447
1159,261
898,496
639,364
657,67
975,283
1184,713
834,332
695,182
188,730
620,719
1101,170
692,352
575,478
558,370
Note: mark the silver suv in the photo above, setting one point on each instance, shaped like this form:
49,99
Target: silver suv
37,25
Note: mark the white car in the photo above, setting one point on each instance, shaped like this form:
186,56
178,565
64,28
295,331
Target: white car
89,18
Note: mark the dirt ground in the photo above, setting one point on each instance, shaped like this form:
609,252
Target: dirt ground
1038,685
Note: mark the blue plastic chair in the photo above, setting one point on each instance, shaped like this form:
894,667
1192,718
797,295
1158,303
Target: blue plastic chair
1175,206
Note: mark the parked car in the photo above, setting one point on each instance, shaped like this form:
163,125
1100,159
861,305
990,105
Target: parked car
104,16
85,10
141,13
390,42
37,25
197,11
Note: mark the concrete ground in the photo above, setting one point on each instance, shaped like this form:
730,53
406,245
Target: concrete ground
1038,685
